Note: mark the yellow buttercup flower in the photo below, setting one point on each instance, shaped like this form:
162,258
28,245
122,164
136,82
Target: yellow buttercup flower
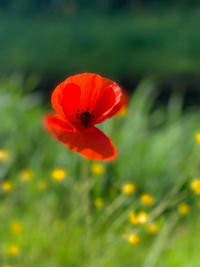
197,137
195,186
133,218
152,228
6,186
4,155
140,218
98,202
134,239
42,185
26,175
183,208
16,227
147,199
123,111
129,188
9,266
58,174
13,250
97,169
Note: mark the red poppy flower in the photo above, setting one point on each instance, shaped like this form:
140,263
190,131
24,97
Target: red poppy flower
82,101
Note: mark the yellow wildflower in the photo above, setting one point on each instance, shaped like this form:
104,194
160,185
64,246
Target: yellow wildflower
98,202
16,227
123,111
147,199
183,208
129,188
13,250
195,186
197,137
133,218
134,239
152,228
140,218
26,175
4,155
42,185
97,168
9,265
6,186
58,174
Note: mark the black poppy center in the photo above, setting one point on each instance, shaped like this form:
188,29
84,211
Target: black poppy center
85,117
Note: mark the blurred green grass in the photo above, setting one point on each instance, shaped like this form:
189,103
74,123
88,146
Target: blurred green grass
120,46
157,151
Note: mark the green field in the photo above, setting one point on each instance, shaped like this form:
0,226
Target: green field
81,218
120,46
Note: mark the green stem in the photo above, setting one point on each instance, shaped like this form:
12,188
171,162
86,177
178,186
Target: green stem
159,244
85,191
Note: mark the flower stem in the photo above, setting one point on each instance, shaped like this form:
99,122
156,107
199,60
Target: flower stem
159,244
85,191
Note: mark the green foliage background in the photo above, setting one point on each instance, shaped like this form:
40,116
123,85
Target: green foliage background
129,43
149,41
157,151
65,6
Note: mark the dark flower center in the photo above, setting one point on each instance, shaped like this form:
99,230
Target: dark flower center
85,117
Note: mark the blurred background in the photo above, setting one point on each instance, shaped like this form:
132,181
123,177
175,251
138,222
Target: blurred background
142,210
122,39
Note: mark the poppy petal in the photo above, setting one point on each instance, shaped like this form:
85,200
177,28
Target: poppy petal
104,103
57,100
116,107
91,87
92,143
122,103
71,102
56,122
